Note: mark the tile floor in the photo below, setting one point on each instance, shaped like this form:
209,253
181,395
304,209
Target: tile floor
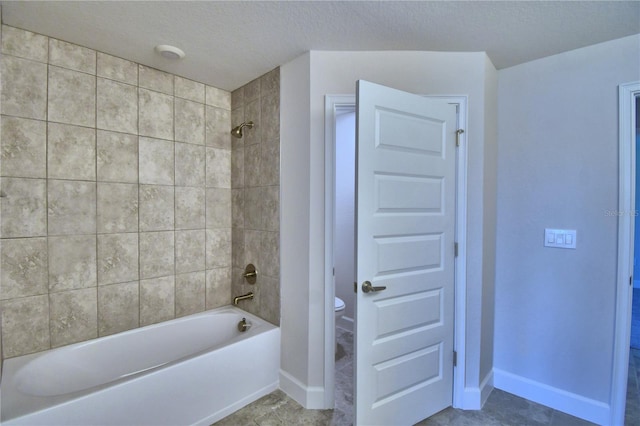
635,319
501,408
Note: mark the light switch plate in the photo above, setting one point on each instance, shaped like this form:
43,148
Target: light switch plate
560,238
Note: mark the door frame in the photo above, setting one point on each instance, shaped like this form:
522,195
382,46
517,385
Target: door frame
334,104
627,94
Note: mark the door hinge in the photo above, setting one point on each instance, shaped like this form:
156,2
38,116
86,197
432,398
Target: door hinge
355,287
455,249
458,133
455,358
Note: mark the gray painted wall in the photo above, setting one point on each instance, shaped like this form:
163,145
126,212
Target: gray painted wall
558,168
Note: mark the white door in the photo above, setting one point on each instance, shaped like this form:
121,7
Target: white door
405,200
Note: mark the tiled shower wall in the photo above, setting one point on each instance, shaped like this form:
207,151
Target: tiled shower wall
116,185
255,194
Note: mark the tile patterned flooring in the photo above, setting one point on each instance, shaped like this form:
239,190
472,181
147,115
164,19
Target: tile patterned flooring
635,319
502,408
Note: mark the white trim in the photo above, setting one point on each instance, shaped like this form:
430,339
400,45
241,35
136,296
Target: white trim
474,398
486,387
461,396
333,105
626,204
561,400
310,397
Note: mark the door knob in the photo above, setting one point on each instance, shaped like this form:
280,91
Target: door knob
367,287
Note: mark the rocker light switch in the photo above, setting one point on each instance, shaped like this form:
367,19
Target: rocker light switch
560,238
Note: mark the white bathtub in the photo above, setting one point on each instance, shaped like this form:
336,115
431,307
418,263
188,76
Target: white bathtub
192,370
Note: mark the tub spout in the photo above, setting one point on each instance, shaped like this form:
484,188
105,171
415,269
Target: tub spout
243,297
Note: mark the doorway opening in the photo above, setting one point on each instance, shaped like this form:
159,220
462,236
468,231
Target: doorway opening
344,257
635,310
629,94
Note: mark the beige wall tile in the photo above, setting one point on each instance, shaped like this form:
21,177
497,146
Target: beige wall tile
237,248
118,308
117,69
255,178
157,254
117,207
190,208
117,157
237,208
24,208
25,44
253,249
237,168
156,208
270,165
190,293
190,250
156,161
239,284
218,128
189,89
117,258
71,207
270,116
218,97
270,244
237,98
252,112
72,262
218,248
24,88
189,121
157,300
271,210
24,146
71,152
23,267
25,325
270,83
134,158
218,290
74,316
270,300
117,106
218,208
252,91
190,165
72,97
155,114
253,213
156,80
252,165
72,56
218,167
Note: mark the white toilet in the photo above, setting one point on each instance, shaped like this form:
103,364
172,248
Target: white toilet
339,309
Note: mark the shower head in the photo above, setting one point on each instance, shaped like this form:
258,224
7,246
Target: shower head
237,131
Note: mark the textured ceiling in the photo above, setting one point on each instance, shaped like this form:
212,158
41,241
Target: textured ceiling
228,44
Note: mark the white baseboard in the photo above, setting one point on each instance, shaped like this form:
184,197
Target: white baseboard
558,399
310,397
486,387
473,398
